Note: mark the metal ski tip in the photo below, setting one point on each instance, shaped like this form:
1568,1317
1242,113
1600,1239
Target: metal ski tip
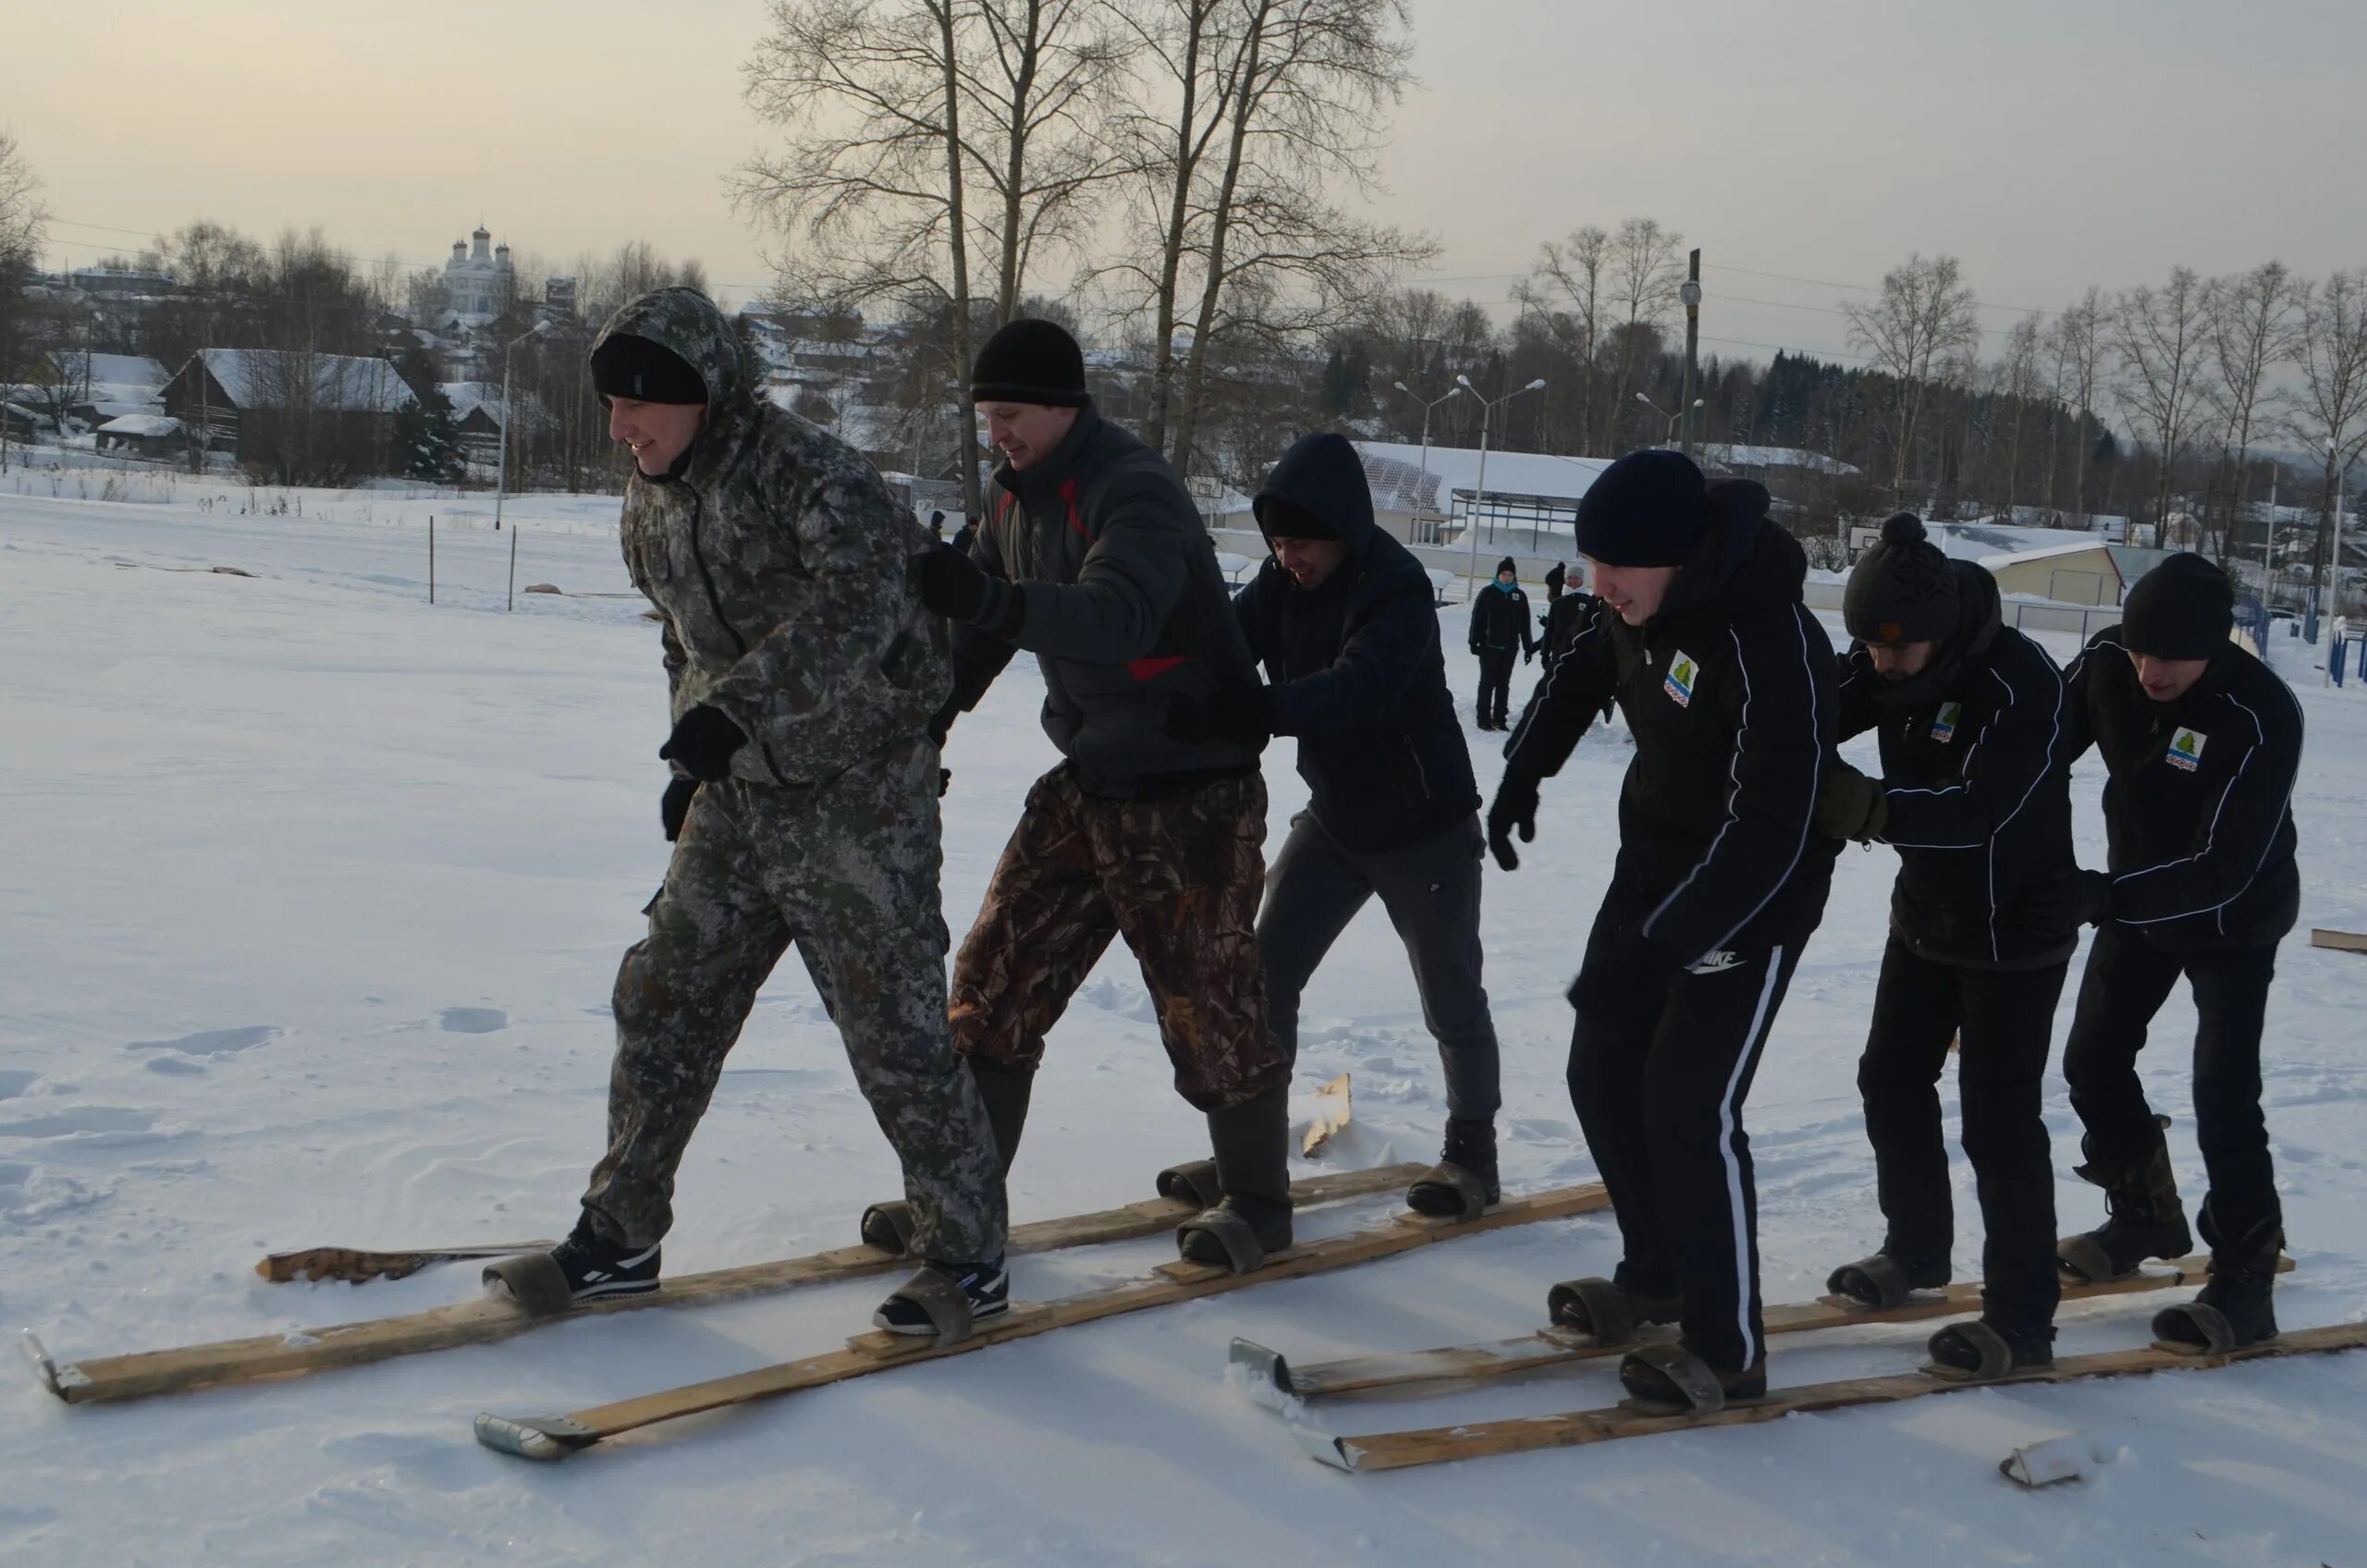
1263,1366
1340,1453
38,1359
533,1436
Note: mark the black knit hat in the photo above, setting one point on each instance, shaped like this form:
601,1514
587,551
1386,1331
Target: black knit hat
645,370
1279,517
1904,590
1555,577
1508,564
2182,609
1649,508
1030,362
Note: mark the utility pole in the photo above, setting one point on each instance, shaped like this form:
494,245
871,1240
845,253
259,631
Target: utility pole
1691,295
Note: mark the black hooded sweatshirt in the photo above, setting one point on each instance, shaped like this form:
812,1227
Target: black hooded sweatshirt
1976,779
1729,693
1357,668
2199,807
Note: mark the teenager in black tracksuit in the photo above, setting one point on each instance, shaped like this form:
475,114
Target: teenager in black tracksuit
1344,621
1975,796
1726,682
1498,630
1566,610
2201,743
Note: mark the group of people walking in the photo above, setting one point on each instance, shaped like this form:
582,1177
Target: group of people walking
821,648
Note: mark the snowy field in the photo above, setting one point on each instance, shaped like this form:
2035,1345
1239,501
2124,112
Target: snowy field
310,896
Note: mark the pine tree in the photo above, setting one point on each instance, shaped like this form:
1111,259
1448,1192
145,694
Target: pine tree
427,439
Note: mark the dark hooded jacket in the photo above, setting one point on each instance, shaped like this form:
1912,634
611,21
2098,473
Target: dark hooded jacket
1976,779
1499,622
2199,804
776,558
1729,693
1125,610
1356,671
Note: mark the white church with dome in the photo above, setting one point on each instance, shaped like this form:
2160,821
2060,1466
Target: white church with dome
478,282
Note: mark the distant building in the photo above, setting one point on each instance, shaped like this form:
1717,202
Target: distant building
262,406
95,388
478,280
558,298
154,437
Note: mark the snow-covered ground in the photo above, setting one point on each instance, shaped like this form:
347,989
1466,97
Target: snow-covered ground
310,895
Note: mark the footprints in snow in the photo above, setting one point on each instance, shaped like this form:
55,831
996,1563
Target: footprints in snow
472,1020
212,1042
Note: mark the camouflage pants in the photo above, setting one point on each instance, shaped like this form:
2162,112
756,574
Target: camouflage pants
848,870
1178,876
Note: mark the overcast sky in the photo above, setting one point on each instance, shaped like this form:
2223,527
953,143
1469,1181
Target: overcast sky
2049,144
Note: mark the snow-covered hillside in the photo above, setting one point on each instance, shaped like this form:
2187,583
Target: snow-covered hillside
310,896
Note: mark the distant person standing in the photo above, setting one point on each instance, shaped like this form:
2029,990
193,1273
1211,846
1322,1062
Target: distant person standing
965,535
1567,609
1500,631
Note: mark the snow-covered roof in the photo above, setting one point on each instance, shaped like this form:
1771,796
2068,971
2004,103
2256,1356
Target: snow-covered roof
2091,543
470,396
1982,541
260,378
1400,483
150,425
122,370
1728,455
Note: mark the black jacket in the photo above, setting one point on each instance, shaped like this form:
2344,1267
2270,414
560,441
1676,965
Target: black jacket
1500,621
1562,622
1729,693
1357,672
1125,609
1976,780
2199,806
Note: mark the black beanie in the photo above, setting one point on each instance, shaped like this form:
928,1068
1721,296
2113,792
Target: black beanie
645,370
1507,564
1556,577
1030,362
2182,609
1904,590
1649,508
1279,517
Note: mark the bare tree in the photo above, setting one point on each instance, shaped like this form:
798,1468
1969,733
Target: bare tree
1037,100
1923,318
2253,318
1568,290
2017,384
1643,276
2081,348
2161,343
24,223
2328,412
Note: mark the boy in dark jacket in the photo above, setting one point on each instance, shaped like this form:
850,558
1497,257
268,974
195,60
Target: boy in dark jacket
1975,796
1566,610
1341,616
2201,743
1498,630
1093,557
1726,682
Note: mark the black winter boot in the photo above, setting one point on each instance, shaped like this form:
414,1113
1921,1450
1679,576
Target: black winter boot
2146,1220
1884,1280
1463,1183
2234,1307
1980,1350
1252,1144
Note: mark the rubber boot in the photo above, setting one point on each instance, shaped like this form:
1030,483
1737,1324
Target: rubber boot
1470,1146
2235,1306
1252,1144
1984,1350
1005,1091
2145,1218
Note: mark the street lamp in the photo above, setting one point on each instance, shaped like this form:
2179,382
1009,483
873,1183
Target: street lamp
1479,494
1690,294
501,468
1672,418
1427,407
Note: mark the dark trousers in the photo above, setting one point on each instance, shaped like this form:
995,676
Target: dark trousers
1431,891
1495,685
1660,1064
2127,982
2008,1021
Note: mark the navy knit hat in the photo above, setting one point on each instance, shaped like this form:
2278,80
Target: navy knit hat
1508,564
1030,362
1649,508
1904,590
645,370
2182,609
1556,577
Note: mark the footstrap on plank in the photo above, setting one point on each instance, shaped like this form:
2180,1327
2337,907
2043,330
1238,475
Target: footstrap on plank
947,1305
532,1279
1244,1253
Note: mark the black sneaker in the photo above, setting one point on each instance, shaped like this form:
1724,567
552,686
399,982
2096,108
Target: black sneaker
597,1268
985,1286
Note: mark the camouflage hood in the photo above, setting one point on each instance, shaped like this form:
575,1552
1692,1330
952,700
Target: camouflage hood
687,323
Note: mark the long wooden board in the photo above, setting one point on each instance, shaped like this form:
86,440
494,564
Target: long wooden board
2341,941
1477,1440
483,1321
357,1266
1419,1372
556,1436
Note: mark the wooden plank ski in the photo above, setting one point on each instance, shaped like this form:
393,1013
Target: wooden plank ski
2341,941
556,1436
358,1265
1411,1373
1399,1451
482,1320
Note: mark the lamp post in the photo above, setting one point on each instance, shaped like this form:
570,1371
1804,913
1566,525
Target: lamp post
1427,406
1691,294
1672,418
501,467
1479,494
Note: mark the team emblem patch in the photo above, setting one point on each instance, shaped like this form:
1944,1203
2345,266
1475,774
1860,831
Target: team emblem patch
1682,673
2186,751
1943,728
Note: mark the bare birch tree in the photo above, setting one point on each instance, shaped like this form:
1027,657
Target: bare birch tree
2253,317
2161,344
2328,412
1643,276
1923,318
1568,290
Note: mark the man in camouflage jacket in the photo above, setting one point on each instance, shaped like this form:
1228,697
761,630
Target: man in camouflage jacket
803,674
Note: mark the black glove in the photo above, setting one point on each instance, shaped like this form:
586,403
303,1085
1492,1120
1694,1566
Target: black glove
1529,655
675,808
1850,805
956,587
940,723
944,781
1243,716
703,742
1516,806
2092,897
